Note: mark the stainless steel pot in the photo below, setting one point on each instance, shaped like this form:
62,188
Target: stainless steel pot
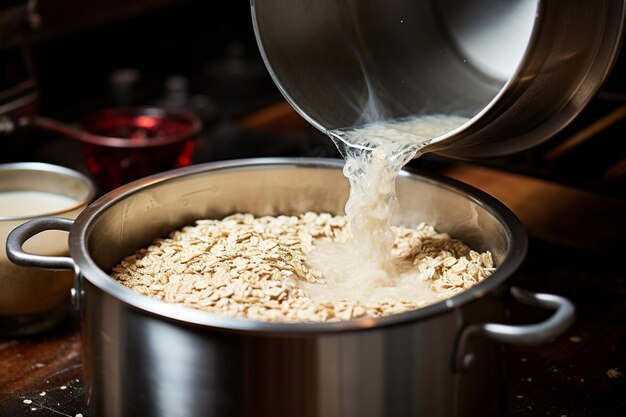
521,70
144,357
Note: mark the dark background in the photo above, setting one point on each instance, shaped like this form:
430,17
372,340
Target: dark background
73,60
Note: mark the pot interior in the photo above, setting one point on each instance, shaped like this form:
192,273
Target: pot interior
137,214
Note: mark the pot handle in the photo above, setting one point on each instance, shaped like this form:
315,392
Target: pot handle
23,232
536,333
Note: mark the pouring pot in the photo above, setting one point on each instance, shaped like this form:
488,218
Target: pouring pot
145,357
519,70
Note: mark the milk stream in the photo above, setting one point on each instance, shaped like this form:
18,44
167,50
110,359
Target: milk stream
363,268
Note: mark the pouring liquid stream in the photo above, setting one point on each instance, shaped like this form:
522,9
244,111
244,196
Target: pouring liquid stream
363,268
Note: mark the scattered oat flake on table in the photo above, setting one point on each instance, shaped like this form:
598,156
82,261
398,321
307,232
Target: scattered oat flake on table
42,393
613,373
575,339
27,401
63,387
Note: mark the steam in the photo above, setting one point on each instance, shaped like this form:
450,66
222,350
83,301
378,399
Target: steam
372,111
399,139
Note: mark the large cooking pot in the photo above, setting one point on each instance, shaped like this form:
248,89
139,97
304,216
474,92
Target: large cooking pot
519,70
144,357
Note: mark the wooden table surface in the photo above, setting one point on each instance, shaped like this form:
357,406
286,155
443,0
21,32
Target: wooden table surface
40,376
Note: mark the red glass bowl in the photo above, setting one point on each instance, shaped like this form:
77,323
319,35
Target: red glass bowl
124,144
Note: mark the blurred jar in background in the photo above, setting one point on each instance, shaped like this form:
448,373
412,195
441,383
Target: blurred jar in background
125,144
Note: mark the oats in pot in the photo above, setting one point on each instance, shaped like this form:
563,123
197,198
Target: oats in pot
263,268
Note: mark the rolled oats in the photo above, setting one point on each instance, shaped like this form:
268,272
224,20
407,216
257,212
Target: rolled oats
249,267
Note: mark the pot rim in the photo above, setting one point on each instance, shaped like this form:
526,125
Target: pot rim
516,235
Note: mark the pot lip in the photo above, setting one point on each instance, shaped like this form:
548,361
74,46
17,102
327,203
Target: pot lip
96,276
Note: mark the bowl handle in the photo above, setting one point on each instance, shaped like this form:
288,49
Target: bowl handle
541,332
17,255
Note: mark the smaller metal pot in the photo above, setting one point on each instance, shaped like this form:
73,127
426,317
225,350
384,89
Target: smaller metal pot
145,357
